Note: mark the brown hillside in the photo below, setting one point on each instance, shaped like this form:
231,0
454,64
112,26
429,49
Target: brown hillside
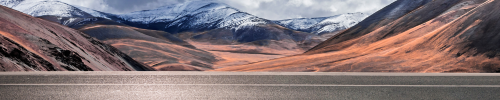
439,36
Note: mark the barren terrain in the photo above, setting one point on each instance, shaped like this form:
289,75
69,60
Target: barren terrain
438,36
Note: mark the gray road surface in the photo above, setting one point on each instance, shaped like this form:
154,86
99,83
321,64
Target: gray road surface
235,85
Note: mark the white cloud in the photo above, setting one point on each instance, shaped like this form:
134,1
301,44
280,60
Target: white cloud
301,2
251,3
333,9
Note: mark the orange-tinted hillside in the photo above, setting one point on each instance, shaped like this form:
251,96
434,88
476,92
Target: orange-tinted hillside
430,36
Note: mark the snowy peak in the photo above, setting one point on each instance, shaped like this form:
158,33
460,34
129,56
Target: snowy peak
10,3
193,16
50,7
173,12
41,8
323,24
95,13
300,23
338,23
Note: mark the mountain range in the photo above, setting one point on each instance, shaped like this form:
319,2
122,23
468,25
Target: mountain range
210,26
188,16
225,25
406,36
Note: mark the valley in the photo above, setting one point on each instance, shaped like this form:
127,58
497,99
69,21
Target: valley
423,36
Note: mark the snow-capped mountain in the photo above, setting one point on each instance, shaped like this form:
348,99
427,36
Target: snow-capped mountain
205,21
192,16
39,8
219,24
206,15
323,24
10,3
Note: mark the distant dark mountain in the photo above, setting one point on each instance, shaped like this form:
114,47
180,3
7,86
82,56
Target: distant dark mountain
80,22
32,44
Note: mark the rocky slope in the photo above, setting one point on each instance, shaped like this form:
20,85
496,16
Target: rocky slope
31,44
407,36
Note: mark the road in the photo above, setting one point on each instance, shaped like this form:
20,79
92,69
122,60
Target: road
254,85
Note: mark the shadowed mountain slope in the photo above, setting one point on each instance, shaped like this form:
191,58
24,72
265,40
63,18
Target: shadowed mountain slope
272,39
157,49
31,44
423,36
80,22
160,50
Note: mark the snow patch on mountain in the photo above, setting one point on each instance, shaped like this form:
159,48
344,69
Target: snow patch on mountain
170,13
300,23
323,24
39,8
10,3
57,8
94,12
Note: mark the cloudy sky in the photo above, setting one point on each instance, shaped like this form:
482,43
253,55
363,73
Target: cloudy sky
269,9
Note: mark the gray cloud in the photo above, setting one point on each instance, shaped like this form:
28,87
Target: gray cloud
125,6
269,9
285,9
122,6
